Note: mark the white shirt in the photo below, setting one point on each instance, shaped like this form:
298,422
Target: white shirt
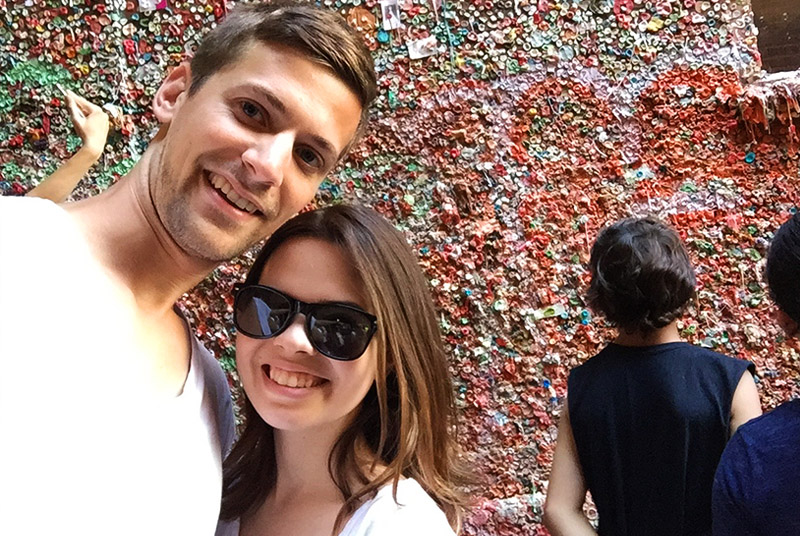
88,448
414,514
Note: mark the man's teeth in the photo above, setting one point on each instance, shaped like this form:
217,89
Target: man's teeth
293,379
225,188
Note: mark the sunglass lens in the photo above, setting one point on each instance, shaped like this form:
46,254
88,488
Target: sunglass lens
261,312
339,332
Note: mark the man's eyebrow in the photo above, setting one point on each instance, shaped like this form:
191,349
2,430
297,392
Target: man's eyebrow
270,97
325,146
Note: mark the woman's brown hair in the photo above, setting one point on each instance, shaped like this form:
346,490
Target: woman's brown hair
407,418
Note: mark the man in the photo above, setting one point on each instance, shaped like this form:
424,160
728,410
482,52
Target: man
758,478
115,419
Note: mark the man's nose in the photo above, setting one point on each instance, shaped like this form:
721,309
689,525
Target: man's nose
268,157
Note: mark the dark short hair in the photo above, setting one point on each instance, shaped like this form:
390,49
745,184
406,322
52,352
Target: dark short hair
321,35
641,275
783,268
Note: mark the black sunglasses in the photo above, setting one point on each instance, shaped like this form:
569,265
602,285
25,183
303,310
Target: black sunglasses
336,330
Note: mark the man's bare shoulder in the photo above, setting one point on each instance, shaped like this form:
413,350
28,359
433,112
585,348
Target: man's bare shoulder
33,220
27,208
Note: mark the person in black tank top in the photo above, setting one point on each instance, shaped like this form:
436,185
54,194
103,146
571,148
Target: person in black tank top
648,417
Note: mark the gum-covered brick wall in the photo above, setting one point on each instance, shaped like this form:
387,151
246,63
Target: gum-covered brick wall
506,134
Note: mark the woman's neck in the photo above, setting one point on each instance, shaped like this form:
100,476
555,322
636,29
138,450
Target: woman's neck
301,459
668,333
305,500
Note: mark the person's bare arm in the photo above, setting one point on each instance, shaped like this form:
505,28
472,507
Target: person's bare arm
566,492
91,124
746,405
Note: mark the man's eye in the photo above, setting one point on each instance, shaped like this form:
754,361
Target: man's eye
250,109
309,157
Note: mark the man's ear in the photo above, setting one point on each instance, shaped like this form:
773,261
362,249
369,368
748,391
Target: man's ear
786,323
173,92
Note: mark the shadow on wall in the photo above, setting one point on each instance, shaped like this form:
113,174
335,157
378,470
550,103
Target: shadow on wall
778,23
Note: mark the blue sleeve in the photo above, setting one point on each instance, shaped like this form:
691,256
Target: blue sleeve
227,425
216,386
730,505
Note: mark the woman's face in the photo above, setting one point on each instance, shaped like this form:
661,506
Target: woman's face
325,392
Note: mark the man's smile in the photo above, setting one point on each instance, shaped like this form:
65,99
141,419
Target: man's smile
227,192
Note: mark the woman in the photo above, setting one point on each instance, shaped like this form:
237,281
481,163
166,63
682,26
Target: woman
349,405
648,417
91,124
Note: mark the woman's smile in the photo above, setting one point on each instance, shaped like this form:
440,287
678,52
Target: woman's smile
295,380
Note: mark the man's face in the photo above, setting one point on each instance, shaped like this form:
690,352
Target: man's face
249,149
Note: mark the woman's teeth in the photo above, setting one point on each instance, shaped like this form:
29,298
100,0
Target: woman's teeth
223,186
293,379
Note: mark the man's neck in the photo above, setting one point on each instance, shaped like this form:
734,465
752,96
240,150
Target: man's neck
131,242
668,333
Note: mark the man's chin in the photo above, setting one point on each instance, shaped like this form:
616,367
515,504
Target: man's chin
210,250
217,254
204,241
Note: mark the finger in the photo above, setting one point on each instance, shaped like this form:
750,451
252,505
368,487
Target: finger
61,89
75,113
87,107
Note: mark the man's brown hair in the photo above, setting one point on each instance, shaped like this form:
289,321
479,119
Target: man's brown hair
321,35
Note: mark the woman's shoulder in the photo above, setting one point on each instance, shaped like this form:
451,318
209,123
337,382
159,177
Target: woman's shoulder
414,510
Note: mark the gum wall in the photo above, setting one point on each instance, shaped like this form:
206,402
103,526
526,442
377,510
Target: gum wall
506,134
